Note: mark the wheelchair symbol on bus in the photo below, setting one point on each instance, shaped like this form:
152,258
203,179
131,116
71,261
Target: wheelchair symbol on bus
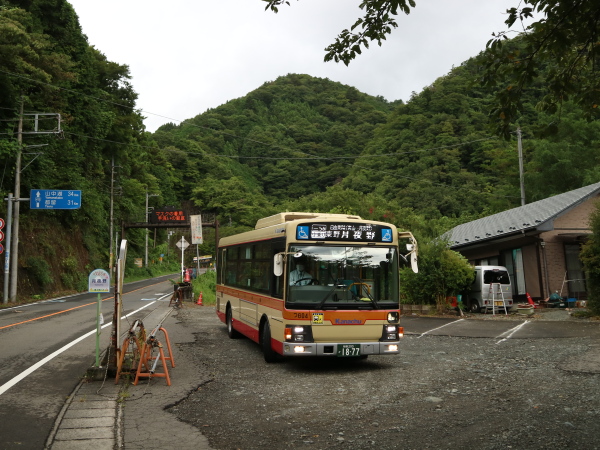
386,235
302,232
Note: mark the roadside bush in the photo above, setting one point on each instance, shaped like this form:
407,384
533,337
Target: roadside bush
442,273
40,270
70,277
206,283
590,257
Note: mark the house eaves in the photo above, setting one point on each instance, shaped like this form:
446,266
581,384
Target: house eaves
533,218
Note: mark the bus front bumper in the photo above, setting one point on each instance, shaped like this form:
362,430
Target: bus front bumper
341,349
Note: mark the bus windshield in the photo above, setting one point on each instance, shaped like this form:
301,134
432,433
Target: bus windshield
342,277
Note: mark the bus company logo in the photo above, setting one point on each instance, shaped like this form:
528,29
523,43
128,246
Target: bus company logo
347,322
317,319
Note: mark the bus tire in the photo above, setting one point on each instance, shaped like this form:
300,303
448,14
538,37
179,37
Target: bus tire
269,354
474,306
231,332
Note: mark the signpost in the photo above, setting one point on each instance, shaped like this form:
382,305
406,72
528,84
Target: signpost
182,244
98,281
54,199
196,223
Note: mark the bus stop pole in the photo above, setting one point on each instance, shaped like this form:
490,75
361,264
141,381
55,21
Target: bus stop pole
98,323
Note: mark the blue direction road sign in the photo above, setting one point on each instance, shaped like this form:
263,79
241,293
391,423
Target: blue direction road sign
54,199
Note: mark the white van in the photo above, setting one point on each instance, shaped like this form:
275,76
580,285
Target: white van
491,288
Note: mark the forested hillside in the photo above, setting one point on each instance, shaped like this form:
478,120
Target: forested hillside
290,138
47,66
295,143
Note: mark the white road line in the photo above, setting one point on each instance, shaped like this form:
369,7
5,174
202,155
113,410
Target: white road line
6,386
511,331
450,323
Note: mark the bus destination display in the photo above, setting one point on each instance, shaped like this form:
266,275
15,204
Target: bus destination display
357,232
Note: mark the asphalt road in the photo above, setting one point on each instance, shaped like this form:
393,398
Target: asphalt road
37,373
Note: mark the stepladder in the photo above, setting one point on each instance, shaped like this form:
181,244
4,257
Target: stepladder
496,300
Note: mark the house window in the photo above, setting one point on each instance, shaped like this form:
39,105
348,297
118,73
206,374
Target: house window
513,261
575,276
492,261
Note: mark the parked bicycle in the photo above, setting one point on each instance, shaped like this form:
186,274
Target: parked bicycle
177,298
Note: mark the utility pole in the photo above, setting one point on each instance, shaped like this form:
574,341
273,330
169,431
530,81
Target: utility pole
147,214
521,174
14,252
15,226
112,193
7,249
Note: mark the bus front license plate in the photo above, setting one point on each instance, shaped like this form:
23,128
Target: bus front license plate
348,350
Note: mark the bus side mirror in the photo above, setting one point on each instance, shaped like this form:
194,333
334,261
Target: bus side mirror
413,262
278,264
412,249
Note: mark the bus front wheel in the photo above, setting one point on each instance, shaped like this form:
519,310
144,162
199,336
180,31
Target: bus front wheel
231,332
269,354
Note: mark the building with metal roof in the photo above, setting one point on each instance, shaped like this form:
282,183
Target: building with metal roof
538,243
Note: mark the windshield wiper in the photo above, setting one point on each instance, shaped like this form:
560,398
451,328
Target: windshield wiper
322,302
364,286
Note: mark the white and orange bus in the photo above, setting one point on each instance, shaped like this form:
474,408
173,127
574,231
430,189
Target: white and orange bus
314,284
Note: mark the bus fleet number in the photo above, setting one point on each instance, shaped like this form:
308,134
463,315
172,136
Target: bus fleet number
301,315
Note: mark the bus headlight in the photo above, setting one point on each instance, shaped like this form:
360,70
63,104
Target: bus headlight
298,333
391,332
393,317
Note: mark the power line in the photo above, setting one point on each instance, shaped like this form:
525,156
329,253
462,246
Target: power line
225,133
246,139
395,174
66,89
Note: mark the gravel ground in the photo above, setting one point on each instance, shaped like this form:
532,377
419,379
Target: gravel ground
441,392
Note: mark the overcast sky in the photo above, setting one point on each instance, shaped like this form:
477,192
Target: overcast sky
187,56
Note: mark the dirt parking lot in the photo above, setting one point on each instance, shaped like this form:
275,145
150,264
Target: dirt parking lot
441,392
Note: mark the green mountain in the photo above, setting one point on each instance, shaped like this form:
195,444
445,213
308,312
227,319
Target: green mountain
289,138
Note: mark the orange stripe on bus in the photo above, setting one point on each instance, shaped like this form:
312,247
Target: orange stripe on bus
330,316
275,303
269,302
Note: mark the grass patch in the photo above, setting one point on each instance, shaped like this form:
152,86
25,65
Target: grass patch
583,314
206,283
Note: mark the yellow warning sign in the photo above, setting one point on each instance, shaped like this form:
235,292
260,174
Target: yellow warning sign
317,318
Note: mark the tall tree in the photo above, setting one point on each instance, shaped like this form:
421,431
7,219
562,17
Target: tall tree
377,22
562,37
